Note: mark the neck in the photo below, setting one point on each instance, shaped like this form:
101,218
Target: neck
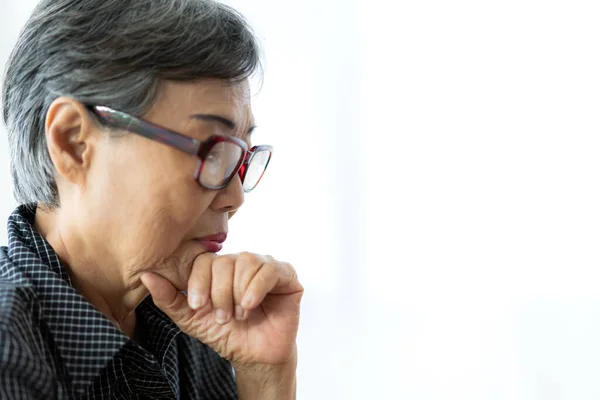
100,282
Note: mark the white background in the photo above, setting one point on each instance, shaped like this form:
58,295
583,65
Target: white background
437,185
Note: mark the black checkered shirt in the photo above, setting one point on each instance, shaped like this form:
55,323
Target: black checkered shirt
55,345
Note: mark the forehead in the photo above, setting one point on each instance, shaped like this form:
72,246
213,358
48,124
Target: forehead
179,100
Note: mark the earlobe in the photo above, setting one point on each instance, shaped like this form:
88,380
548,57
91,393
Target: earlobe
69,138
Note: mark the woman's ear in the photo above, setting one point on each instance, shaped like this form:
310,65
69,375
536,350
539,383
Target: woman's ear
70,137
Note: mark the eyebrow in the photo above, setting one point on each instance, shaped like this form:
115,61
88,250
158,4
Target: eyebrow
220,119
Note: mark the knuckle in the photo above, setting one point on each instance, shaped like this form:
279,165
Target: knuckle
294,270
203,257
172,304
287,265
247,258
272,268
222,262
288,271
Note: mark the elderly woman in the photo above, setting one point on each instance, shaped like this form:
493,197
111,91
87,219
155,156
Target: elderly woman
129,126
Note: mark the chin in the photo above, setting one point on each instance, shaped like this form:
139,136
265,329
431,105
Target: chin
177,268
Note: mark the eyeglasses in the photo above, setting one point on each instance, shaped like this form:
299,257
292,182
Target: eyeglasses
221,157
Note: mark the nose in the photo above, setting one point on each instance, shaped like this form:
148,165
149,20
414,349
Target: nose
230,198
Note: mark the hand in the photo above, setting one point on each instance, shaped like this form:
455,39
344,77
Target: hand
245,306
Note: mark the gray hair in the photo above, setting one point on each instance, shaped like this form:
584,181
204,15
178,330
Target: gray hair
114,53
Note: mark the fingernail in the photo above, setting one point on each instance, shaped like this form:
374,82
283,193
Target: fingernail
239,313
247,301
221,316
195,300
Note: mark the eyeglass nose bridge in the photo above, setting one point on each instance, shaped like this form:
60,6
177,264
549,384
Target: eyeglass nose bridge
248,157
244,166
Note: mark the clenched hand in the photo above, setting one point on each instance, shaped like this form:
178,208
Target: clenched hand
244,306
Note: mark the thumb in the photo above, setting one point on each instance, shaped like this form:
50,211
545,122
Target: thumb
171,301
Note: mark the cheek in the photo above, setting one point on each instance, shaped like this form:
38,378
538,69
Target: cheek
162,245
147,205
155,238
158,234
148,177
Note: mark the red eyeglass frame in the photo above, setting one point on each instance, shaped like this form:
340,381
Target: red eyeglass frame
201,149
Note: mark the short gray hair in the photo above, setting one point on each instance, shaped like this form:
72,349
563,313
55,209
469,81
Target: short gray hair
114,53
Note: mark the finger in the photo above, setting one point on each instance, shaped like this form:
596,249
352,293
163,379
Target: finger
221,293
273,278
199,283
263,282
288,280
247,266
169,299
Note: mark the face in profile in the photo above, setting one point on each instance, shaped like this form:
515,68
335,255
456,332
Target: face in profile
165,208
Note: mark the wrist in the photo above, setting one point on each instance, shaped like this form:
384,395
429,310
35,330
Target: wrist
266,382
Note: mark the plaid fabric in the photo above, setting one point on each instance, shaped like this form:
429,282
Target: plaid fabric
55,345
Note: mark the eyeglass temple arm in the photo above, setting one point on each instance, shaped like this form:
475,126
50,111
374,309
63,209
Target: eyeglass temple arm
124,121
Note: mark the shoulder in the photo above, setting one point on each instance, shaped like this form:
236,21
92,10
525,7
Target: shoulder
24,368
23,372
17,295
17,306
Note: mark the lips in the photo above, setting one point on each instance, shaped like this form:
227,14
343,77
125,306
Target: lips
213,243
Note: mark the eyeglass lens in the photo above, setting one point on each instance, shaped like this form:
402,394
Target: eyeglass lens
256,169
220,164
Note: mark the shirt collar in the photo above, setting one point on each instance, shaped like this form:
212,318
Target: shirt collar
85,339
